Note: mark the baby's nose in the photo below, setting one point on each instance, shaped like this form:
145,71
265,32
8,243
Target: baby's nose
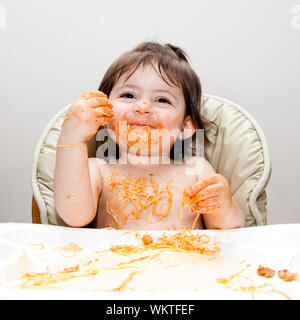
143,107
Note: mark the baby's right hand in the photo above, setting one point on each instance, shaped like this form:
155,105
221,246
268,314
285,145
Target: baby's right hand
86,114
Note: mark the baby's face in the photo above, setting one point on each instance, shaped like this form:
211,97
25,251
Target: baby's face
150,107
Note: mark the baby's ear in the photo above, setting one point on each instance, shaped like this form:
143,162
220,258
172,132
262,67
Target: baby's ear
188,129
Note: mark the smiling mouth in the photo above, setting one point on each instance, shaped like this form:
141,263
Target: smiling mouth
140,125
139,133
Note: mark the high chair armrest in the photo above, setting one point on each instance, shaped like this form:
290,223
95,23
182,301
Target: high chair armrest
36,218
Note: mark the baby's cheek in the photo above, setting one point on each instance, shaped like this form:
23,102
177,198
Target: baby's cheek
168,121
172,127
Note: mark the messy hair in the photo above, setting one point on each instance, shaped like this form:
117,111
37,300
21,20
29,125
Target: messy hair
173,68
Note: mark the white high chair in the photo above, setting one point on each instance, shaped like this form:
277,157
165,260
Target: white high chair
238,150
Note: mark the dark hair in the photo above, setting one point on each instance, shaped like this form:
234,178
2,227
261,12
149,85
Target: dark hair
171,61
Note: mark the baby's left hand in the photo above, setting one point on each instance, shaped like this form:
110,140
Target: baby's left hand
210,195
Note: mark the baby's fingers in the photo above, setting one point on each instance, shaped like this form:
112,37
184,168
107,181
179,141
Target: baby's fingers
102,120
205,210
208,202
97,102
207,193
194,188
104,111
92,94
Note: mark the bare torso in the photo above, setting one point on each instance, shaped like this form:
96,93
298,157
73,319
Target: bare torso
137,210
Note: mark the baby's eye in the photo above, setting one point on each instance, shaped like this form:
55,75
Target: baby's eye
163,100
127,95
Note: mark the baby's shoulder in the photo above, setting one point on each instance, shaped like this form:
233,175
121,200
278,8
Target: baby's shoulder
198,166
97,164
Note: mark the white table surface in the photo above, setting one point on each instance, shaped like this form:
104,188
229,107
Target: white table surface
276,245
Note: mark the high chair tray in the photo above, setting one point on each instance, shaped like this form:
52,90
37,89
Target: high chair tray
54,262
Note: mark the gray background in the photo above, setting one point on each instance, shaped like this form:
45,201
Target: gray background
245,51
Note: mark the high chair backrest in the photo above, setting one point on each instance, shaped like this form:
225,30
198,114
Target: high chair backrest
237,149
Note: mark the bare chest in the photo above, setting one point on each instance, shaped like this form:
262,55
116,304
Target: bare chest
144,201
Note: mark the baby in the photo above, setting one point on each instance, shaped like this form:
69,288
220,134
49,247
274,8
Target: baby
148,99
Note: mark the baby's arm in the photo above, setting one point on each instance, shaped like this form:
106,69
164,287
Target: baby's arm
211,196
77,179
